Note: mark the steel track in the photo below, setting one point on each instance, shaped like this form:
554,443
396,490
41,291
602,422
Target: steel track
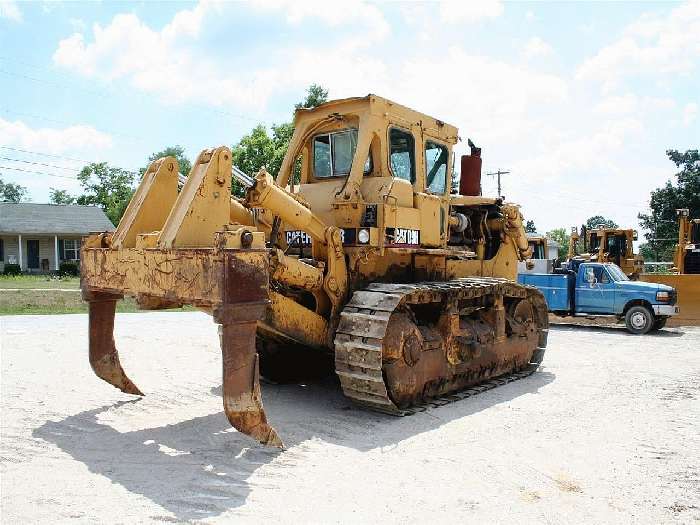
359,338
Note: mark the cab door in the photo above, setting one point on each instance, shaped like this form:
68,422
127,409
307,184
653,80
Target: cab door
431,202
595,293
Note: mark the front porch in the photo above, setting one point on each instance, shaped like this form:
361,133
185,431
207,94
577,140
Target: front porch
38,253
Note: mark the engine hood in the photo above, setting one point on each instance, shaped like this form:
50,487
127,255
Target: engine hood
641,286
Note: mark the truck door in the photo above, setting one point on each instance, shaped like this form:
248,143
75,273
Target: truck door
595,291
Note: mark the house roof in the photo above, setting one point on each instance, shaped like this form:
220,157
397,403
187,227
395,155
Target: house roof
27,218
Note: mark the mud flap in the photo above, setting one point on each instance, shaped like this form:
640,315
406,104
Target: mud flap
241,386
104,358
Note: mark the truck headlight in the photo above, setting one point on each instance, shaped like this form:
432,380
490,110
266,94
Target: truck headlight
363,236
662,297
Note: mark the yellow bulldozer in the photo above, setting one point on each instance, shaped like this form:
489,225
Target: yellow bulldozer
538,246
613,245
367,259
685,273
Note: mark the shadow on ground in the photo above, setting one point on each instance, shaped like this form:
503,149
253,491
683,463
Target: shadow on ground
200,468
613,329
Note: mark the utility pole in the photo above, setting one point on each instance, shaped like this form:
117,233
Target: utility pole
498,175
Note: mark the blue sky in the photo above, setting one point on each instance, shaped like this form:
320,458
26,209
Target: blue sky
578,100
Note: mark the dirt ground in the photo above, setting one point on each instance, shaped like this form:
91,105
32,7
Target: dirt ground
607,432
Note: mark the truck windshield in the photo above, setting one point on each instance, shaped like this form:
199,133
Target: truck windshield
616,273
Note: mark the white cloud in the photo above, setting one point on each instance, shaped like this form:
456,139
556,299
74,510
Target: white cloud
332,13
690,113
162,62
10,10
630,103
535,47
78,24
461,11
652,45
78,138
159,62
530,16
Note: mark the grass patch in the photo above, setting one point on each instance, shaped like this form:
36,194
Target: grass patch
39,281
18,302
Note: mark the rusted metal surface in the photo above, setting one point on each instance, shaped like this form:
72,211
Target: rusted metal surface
241,386
190,276
104,358
400,345
470,180
234,284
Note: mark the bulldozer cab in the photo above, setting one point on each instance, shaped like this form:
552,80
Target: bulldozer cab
687,251
538,245
365,162
614,245
382,173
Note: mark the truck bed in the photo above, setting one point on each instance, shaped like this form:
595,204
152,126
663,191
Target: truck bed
555,288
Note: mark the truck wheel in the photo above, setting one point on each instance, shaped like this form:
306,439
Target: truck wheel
659,323
639,320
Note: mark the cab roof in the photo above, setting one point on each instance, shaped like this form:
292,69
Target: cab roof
383,108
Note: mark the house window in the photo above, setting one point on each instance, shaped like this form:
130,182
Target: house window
71,249
435,167
2,250
402,155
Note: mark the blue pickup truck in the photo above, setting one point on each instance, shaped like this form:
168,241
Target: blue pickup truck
585,288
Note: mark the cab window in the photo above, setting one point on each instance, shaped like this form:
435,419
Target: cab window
594,274
402,154
616,245
435,167
333,154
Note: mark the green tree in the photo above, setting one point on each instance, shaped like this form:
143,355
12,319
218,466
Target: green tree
315,96
171,151
661,223
561,237
530,227
260,148
10,192
60,197
599,220
107,187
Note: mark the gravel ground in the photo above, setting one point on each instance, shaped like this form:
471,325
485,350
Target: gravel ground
606,432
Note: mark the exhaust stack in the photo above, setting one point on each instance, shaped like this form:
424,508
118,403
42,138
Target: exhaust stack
470,180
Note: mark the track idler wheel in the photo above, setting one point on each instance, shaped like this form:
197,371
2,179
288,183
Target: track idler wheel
104,358
241,376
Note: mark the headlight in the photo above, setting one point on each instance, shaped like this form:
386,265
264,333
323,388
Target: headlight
363,236
662,296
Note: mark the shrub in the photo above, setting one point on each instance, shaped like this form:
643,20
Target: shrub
12,269
68,268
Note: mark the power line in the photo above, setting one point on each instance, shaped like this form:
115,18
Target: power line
105,93
66,123
38,172
73,159
46,154
40,164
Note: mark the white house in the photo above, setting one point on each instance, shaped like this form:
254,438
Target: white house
39,237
